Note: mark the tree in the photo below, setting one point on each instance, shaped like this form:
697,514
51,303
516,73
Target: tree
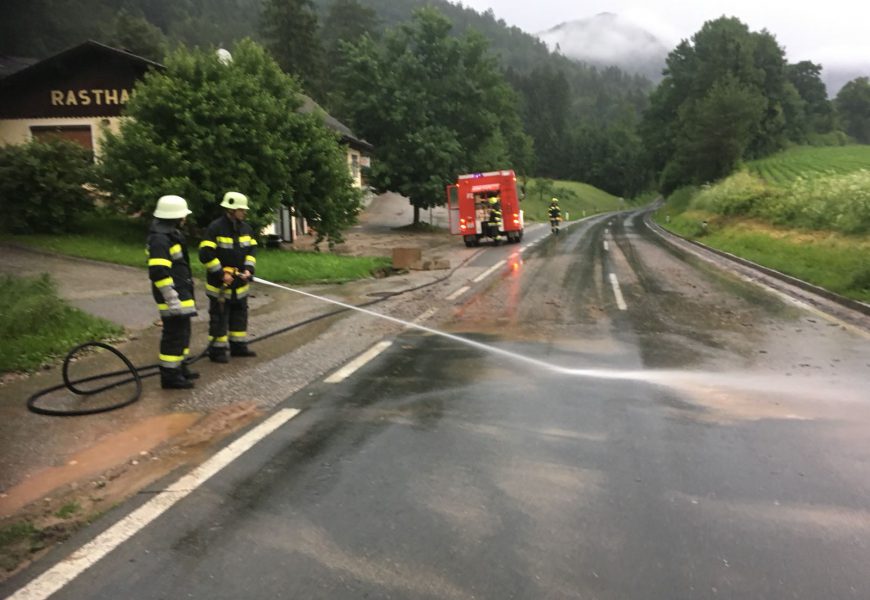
137,35
853,107
807,80
291,32
725,97
433,106
717,129
202,127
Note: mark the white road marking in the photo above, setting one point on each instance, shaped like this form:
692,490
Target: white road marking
88,555
425,316
620,301
487,273
348,369
458,293
606,246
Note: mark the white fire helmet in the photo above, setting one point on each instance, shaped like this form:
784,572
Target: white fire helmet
171,207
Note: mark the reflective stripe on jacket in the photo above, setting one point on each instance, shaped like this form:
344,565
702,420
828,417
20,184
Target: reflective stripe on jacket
169,265
227,244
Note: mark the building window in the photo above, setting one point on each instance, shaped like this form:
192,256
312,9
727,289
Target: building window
80,134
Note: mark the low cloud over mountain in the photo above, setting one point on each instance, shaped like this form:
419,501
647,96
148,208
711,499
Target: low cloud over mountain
607,39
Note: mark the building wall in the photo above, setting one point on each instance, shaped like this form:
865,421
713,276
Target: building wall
354,160
19,131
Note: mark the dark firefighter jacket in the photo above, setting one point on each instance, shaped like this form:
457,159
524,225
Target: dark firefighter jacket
227,245
169,266
494,215
555,212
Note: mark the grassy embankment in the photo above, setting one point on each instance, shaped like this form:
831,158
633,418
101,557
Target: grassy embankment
804,212
36,324
575,199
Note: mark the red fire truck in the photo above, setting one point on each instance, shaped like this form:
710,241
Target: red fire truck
468,203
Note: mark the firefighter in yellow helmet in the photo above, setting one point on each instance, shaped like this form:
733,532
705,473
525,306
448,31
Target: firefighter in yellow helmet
172,288
494,222
555,214
228,252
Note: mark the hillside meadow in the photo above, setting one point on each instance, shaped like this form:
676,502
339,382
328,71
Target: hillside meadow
576,199
804,211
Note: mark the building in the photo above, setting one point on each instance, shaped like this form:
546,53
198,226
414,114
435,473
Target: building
77,94
80,94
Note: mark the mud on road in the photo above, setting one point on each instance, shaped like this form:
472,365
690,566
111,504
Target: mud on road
58,474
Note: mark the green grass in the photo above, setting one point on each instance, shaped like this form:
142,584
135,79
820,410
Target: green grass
12,534
122,241
837,262
68,510
111,239
36,325
804,211
310,267
576,199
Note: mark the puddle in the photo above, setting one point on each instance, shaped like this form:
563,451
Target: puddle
108,452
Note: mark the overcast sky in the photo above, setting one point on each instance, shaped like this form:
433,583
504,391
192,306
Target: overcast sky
828,32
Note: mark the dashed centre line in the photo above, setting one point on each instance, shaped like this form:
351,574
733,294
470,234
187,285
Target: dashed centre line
620,301
487,273
458,293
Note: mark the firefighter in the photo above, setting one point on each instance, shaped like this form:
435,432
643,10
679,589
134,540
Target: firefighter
172,288
494,222
228,252
555,215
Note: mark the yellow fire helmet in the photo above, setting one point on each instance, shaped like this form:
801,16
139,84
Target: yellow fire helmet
171,207
493,200
554,201
235,200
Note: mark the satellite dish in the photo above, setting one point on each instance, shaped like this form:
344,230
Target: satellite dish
224,56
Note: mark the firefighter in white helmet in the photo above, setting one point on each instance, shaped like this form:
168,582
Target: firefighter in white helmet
172,288
228,252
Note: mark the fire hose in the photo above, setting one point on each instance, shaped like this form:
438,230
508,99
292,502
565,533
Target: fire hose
137,374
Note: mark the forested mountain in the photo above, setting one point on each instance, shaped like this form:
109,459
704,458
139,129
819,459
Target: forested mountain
39,28
581,118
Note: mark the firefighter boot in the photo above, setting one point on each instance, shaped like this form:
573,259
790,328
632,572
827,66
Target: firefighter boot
173,379
188,374
237,349
218,355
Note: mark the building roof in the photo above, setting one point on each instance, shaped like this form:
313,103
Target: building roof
11,64
72,56
347,136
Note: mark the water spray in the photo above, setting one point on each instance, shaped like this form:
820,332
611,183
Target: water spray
697,382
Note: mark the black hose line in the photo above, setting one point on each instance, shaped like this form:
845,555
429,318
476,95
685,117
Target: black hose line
137,374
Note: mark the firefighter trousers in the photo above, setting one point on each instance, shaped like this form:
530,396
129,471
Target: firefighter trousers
174,341
227,322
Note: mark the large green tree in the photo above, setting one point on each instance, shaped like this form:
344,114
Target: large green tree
806,77
726,96
433,105
292,34
203,127
853,108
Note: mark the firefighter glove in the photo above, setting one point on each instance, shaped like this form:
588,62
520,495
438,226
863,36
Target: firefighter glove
172,301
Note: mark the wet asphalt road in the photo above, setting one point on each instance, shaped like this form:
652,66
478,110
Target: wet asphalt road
714,446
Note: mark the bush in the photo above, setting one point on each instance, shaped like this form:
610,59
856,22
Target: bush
42,185
738,194
832,138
